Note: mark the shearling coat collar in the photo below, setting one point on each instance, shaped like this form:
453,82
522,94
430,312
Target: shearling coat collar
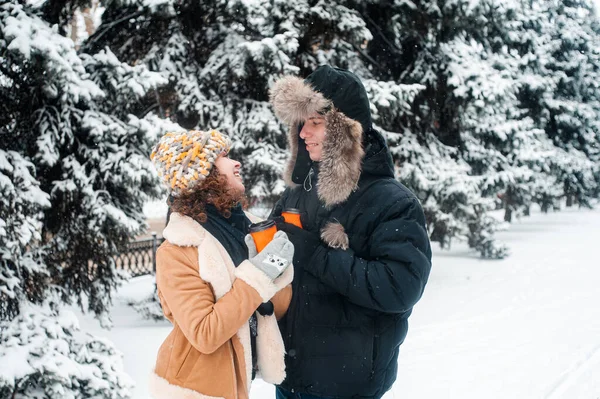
294,101
186,232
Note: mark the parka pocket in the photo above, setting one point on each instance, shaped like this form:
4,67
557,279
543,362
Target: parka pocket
349,374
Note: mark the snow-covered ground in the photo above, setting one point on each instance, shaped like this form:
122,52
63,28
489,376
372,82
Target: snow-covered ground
524,327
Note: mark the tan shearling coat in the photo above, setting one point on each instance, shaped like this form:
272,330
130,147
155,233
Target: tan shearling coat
207,355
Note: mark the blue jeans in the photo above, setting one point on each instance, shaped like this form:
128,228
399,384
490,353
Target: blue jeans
281,393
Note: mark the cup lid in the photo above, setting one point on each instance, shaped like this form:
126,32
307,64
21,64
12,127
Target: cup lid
292,210
260,226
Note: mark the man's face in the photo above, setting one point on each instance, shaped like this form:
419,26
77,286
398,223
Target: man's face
313,133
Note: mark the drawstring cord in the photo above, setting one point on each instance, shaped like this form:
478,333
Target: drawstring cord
308,180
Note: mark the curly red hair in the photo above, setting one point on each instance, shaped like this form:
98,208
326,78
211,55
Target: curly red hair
213,190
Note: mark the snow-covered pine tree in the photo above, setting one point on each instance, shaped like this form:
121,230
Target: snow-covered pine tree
501,141
527,148
74,174
551,93
476,65
74,123
46,355
220,59
419,45
219,72
572,110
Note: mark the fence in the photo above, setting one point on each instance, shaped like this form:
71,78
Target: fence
140,256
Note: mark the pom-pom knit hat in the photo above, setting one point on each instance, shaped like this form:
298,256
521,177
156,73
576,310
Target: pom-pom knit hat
184,159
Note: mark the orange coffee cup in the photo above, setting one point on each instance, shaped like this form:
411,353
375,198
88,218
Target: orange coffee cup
262,233
292,216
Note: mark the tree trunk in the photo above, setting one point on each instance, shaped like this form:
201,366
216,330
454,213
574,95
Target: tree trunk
507,214
508,202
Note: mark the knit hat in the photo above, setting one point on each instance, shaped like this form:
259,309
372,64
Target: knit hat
184,159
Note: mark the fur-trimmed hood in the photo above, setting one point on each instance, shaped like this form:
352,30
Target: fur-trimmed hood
351,147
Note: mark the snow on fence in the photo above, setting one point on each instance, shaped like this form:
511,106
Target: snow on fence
140,256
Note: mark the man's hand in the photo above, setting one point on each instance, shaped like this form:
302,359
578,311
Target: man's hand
306,244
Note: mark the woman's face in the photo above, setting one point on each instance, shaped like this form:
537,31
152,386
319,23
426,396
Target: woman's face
231,170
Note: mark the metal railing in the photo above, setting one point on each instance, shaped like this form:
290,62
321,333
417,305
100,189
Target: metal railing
140,256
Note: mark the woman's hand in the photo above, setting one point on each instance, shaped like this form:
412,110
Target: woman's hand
275,258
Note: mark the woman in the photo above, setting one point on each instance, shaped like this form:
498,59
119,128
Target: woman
210,279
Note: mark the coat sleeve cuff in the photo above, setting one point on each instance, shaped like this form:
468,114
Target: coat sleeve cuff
256,279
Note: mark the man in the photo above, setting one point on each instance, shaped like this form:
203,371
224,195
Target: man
363,256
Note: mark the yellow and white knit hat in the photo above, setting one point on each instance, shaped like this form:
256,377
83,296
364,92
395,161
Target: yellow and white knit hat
184,159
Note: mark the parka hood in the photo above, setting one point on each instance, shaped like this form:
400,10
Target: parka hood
351,149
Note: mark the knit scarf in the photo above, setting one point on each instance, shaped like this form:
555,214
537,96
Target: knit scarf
230,232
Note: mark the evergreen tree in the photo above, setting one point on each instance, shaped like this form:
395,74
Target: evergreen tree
500,140
559,62
572,120
441,149
74,175
482,62
220,70
72,132
454,84
46,355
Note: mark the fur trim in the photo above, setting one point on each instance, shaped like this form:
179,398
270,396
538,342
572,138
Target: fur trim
220,275
293,144
342,158
270,350
294,100
184,231
334,235
163,389
256,279
269,344
215,266
243,335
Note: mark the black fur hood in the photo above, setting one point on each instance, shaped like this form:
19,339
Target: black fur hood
352,148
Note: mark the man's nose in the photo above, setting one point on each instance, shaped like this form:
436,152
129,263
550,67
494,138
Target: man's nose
304,132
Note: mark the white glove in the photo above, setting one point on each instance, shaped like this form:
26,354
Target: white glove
274,258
